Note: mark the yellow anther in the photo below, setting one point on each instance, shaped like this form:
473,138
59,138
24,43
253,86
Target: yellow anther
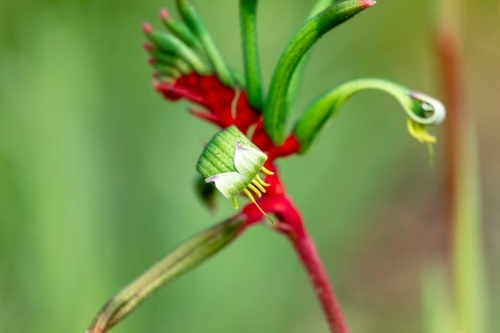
255,190
261,181
252,199
266,171
235,203
256,183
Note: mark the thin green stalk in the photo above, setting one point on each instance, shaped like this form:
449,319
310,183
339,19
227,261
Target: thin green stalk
248,9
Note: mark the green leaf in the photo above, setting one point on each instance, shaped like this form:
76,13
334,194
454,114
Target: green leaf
187,256
416,105
275,112
194,22
255,95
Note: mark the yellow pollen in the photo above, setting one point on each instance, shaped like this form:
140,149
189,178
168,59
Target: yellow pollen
261,181
256,183
235,203
251,198
255,190
266,171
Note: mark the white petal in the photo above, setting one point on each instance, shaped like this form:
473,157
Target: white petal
428,104
228,183
248,160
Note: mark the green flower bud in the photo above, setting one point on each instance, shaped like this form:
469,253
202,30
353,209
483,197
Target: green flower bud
232,162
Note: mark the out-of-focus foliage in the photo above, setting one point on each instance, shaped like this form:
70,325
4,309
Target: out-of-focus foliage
96,172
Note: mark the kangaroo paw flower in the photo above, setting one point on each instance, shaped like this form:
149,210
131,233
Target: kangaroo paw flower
232,163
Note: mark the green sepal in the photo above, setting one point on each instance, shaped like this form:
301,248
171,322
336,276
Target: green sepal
275,111
182,259
416,105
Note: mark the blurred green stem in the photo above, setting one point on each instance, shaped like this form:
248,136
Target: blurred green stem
463,184
188,255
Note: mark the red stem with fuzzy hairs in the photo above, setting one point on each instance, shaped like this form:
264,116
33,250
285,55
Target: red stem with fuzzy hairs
291,225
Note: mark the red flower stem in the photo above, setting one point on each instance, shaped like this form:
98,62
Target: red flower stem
324,292
291,225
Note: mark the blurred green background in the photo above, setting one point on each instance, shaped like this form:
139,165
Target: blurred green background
97,171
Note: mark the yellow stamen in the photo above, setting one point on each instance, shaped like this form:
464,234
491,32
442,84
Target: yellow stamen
234,103
251,198
256,183
255,190
419,132
261,181
267,172
235,203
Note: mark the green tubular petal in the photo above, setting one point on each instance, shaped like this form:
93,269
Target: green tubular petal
185,257
293,90
167,71
416,105
193,21
179,29
275,112
170,60
239,77
248,10
171,44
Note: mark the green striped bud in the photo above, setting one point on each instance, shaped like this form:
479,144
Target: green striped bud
232,162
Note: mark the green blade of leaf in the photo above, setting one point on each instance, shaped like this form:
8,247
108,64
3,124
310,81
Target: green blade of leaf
275,113
187,256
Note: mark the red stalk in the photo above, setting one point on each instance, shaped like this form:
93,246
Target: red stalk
291,225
